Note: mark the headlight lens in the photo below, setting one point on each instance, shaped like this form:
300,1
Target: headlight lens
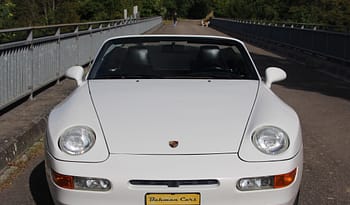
271,140
77,140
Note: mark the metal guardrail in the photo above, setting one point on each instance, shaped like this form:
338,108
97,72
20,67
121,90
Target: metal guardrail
333,45
313,26
30,64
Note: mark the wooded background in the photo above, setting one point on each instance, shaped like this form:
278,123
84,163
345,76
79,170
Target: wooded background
22,13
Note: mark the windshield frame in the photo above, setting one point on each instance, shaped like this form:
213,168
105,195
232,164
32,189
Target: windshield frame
190,39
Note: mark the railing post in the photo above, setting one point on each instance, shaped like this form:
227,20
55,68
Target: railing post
346,47
91,44
31,50
76,32
58,35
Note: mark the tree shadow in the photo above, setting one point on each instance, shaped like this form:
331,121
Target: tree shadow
39,187
304,77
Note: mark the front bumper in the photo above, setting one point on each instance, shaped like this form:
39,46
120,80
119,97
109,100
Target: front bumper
226,168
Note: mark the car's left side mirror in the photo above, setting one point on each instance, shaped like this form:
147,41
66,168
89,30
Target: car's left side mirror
76,73
274,74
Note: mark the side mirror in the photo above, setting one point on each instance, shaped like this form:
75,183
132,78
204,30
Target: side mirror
76,73
274,74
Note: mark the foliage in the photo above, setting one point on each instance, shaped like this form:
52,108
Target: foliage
6,13
20,13
92,10
199,9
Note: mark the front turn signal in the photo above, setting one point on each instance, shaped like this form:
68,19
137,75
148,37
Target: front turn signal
266,182
81,183
63,181
284,180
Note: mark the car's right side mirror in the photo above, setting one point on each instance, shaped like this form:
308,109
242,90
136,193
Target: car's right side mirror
274,74
76,73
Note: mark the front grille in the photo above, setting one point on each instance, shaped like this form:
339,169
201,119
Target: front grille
174,183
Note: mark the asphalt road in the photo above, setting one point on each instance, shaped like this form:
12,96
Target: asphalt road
323,105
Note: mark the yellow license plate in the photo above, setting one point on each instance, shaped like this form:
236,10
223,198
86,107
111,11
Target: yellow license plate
173,199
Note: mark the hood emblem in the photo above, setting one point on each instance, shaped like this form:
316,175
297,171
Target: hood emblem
173,144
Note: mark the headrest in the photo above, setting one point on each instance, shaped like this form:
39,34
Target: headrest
137,56
137,61
208,56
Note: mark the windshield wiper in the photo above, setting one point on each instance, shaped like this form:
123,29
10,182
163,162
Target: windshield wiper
216,75
143,76
147,76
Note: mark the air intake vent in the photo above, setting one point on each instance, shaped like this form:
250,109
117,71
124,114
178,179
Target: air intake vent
174,183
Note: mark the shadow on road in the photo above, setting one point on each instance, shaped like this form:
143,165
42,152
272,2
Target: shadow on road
303,77
39,187
300,76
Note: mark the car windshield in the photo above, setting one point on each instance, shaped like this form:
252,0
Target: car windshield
172,58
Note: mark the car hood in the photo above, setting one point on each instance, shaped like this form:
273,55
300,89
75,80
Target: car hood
143,116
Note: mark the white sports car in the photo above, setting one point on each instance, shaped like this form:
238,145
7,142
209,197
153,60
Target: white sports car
174,120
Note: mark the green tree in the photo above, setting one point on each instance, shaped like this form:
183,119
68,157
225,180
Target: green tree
184,8
18,13
170,7
239,9
66,12
151,8
220,7
92,10
199,9
6,13
26,13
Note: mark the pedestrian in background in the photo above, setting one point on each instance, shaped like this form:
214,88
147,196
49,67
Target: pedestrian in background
175,18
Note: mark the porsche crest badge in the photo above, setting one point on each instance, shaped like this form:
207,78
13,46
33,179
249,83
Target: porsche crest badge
173,144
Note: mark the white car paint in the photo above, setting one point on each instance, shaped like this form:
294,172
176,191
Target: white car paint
227,168
274,74
213,120
269,110
76,73
75,110
146,114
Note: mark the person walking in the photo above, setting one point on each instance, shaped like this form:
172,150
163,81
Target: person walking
175,18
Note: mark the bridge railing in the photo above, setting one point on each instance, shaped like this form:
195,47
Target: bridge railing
29,64
334,45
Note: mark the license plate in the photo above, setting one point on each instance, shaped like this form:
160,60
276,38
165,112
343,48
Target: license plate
173,199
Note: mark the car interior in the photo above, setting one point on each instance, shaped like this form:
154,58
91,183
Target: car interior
173,60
